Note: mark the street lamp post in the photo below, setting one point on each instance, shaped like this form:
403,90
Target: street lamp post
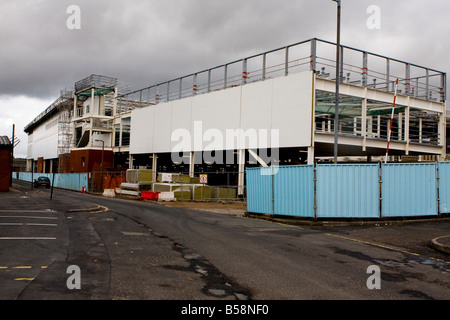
338,75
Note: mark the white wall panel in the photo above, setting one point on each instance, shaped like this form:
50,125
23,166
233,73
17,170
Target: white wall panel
292,109
256,113
225,107
162,127
141,139
181,118
283,104
45,140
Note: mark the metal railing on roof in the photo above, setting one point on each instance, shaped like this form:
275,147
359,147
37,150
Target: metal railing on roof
65,96
360,68
95,81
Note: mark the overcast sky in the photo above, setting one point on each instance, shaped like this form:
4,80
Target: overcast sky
143,42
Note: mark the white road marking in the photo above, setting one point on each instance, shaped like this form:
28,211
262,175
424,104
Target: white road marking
27,238
29,217
30,211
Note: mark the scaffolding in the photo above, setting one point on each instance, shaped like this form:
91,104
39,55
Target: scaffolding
102,85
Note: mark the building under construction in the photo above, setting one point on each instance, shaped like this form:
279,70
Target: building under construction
50,136
273,108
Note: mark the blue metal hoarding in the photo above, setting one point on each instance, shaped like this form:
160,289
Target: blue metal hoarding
409,189
347,191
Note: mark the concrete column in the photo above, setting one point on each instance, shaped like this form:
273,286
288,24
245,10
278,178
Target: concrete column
75,115
241,174
154,166
420,129
191,164
310,155
92,108
130,160
28,167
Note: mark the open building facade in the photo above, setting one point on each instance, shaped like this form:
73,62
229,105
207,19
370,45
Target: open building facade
273,108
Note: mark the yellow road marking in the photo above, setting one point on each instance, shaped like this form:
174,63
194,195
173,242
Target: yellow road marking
103,209
24,279
21,267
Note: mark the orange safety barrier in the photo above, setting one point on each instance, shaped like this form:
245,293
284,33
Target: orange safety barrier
149,195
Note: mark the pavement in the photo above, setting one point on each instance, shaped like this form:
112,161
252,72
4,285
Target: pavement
441,244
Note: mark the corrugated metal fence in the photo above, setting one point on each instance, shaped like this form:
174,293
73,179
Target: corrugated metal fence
69,181
350,190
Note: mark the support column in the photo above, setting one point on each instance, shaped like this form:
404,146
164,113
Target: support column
388,71
92,107
407,129
130,161
191,164
310,155
241,174
264,66
286,62
442,134
407,79
365,69
115,102
364,121
29,165
244,71
75,114
154,166
420,129
120,133
313,55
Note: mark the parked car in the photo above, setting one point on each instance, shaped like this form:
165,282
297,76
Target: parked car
42,181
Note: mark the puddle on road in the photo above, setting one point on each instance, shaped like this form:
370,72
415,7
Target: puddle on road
216,284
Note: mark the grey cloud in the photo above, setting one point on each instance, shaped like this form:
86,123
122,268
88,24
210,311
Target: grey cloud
145,42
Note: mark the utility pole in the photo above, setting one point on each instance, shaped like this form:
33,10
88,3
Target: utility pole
338,75
13,140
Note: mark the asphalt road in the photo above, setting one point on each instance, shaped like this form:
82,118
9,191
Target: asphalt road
136,250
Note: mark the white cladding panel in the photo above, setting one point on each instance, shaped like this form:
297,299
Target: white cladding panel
44,140
205,121
143,120
292,109
161,127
